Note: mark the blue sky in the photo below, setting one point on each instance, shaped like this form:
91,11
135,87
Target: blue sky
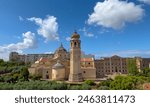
106,28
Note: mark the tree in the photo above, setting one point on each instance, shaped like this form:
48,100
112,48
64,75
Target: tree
106,82
15,77
1,79
146,72
132,68
127,82
1,61
24,74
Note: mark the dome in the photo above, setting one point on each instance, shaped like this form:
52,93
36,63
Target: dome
75,35
60,49
58,65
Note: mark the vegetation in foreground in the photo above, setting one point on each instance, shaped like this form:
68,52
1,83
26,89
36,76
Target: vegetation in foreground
18,78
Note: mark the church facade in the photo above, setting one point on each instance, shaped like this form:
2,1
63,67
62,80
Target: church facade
64,65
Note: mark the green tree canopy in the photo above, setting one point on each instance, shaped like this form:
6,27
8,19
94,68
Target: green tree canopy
132,68
24,74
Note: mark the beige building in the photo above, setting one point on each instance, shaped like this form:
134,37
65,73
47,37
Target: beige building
29,58
44,66
110,65
75,66
58,71
142,63
63,66
88,68
116,64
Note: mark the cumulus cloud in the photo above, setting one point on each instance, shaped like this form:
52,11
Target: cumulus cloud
29,41
115,14
145,1
68,38
48,27
86,32
21,18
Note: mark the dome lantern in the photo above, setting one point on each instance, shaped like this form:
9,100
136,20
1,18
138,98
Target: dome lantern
75,35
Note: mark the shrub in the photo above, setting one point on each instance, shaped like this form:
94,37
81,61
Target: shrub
103,88
105,83
85,87
90,82
75,87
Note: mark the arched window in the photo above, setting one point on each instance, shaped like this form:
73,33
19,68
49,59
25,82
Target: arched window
75,44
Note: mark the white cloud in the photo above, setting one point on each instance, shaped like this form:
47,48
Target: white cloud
89,34
115,14
29,41
104,30
47,27
21,18
86,32
145,1
68,38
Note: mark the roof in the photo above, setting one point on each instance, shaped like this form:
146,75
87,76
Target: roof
42,60
60,49
58,65
86,59
75,35
115,56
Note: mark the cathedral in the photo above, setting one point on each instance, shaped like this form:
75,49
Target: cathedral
66,66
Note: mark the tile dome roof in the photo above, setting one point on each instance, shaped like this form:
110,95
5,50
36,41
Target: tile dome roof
58,65
60,49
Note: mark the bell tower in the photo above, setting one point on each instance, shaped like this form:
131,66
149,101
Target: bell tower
75,56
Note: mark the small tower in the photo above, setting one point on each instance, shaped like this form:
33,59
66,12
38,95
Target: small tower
75,56
58,71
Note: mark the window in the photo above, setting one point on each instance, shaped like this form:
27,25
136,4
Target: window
47,76
84,72
75,44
